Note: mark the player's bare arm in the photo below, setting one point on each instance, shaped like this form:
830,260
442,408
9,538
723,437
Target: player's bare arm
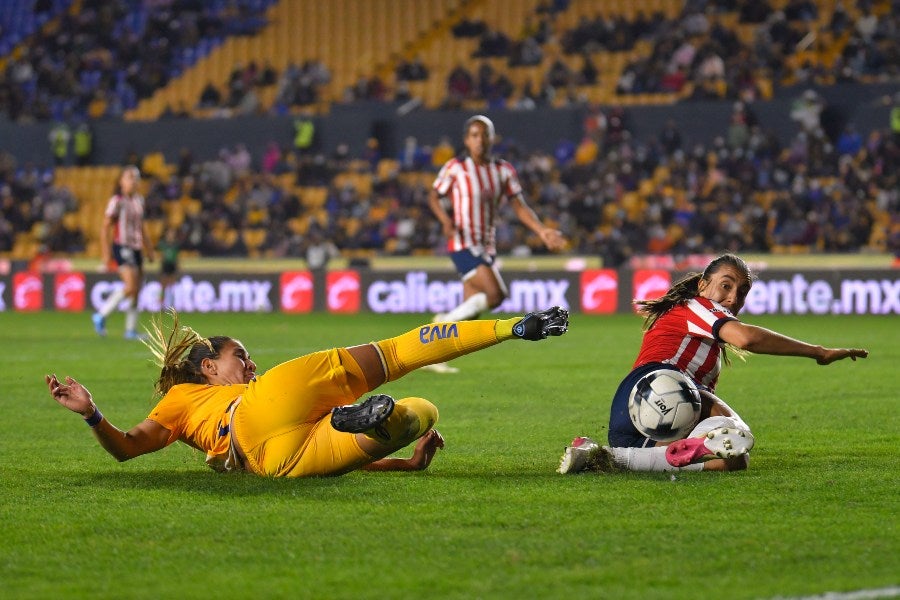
105,237
145,437
553,239
765,341
434,202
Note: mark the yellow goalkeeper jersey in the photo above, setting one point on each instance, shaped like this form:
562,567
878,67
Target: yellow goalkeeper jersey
197,414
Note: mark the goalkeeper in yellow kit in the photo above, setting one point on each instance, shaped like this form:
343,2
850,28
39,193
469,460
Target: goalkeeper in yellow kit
297,419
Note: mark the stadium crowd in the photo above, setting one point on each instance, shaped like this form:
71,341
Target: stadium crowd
611,194
100,61
701,53
29,201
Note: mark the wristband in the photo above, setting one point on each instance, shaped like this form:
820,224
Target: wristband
95,418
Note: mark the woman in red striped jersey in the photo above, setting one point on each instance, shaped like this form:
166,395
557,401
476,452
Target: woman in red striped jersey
123,237
465,198
688,330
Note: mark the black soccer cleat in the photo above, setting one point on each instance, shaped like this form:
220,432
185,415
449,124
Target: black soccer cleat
357,418
538,325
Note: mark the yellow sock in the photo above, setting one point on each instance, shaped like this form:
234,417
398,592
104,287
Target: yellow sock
504,328
439,342
409,421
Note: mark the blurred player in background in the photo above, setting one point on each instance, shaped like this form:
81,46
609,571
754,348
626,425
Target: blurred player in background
168,247
294,420
465,198
688,330
123,236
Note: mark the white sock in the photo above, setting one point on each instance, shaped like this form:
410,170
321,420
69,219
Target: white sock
131,315
113,301
473,306
647,459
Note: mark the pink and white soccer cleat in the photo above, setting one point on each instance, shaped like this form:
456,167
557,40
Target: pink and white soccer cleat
722,442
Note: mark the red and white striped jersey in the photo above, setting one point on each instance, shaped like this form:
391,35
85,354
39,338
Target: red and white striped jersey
475,192
127,213
687,337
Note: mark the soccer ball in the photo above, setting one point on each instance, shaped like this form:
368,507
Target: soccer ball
664,405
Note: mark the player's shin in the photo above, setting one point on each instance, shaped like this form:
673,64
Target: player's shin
112,302
438,342
647,459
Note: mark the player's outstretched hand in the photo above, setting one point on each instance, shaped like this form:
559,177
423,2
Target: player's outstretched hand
538,325
833,354
70,394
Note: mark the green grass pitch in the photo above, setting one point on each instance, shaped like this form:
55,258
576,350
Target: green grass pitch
816,511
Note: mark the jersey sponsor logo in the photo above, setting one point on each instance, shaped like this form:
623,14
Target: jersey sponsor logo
69,291
296,292
28,292
599,291
429,333
650,284
342,291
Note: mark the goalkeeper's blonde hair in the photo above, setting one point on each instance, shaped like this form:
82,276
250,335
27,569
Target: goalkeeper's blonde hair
179,352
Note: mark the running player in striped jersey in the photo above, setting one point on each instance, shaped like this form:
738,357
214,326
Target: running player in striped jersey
465,198
688,330
123,237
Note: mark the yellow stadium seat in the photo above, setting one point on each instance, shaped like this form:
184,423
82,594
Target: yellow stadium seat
253,239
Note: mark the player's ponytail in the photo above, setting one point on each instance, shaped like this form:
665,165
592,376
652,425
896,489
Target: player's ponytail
180,353
688,287
683,290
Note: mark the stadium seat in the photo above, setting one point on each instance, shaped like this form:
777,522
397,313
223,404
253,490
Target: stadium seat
253,239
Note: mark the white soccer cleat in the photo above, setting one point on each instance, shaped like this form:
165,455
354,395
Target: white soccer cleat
728,442
440,368
577,456
439,318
